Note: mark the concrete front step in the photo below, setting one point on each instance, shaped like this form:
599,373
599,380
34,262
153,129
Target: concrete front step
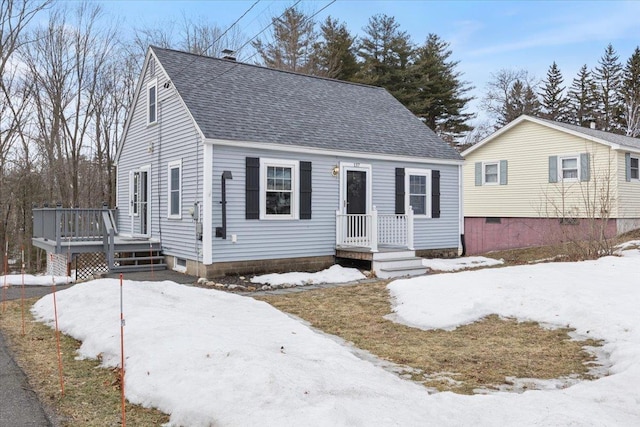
387,254
399,267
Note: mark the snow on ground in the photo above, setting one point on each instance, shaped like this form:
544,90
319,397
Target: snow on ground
213,358
31,280
333,274
455,264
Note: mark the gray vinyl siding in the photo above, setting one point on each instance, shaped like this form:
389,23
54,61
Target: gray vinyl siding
178,141
271,239
429,233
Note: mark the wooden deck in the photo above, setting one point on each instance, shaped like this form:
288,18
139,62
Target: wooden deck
121,243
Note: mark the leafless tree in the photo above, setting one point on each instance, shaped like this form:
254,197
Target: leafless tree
509,94
15,16
66,62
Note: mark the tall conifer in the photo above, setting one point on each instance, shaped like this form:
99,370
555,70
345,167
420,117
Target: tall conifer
631,95
554,102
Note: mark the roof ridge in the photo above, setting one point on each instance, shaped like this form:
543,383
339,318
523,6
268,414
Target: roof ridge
262,67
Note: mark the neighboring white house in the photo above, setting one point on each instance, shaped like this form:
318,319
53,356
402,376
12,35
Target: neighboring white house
238,168
536,182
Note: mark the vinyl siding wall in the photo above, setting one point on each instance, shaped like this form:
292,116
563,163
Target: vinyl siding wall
528,193
172,138
628,200
271,239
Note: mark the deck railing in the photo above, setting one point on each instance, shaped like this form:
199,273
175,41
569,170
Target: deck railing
64,225
374,229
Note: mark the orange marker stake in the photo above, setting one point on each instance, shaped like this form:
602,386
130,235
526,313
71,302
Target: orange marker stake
124,414
151,258
55,313
5,286
22,292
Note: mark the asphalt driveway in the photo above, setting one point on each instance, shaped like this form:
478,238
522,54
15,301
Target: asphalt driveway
19,405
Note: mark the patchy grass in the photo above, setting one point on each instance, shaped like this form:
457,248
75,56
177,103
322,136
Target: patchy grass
551,253
91,395
476,356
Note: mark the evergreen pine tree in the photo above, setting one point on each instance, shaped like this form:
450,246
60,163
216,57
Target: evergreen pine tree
385,52
554,102
608,79
631,95
522,99
294,37
582,99
434,91
334,56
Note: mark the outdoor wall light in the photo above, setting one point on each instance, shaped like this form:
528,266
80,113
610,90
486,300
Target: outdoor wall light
335,171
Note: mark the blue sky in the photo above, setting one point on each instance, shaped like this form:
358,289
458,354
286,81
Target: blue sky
485,36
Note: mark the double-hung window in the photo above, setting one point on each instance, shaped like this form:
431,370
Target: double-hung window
174,173
418,184
634,168
152,102
490,173
570,168
279,189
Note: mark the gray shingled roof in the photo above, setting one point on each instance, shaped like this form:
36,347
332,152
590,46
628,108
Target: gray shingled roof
625,141
242,102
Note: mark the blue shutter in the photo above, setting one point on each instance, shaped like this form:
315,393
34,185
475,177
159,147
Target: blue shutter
627,167
305,190
400,193
585,169
503,172
553,168
478,173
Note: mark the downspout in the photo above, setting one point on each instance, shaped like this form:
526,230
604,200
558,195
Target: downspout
207,200
462,249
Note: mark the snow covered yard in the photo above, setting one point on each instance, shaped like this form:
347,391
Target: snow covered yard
214,358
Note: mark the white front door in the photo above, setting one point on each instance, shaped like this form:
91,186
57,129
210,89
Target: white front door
139,203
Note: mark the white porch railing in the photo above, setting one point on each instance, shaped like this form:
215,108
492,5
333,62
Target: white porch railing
374,229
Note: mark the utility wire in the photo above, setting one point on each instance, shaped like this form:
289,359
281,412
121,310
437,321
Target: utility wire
220,36
263,30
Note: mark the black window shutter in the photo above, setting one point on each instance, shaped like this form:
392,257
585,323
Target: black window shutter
252,188
435,194
305,190
399,191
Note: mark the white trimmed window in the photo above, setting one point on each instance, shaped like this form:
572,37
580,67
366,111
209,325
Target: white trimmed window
174,184
279,189
418,194
152,102
180,264
491,173
634,168
569,167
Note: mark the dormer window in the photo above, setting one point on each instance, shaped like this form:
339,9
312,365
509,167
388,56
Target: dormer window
152,102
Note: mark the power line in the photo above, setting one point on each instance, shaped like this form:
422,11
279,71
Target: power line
261,31
220,36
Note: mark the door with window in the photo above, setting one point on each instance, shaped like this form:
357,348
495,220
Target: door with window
356,198
139,206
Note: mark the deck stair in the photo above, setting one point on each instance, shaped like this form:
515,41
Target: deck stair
142,257
397,263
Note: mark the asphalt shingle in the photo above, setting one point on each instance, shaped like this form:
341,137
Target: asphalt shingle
625,141
241,102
